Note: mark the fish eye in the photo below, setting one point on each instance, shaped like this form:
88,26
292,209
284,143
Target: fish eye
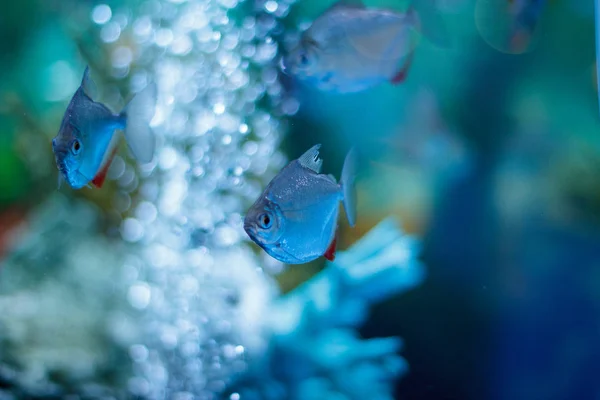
264,220
76,147
303,59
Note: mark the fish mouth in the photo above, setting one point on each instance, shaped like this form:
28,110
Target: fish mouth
250,230
75,179
64,171
275,250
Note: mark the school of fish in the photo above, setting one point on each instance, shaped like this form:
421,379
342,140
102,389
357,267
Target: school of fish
348,48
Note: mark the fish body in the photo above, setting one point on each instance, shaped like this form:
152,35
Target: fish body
509,25
526,14
295,218
87,138
350,48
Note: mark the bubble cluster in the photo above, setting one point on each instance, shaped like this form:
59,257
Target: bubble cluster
62,306
197,283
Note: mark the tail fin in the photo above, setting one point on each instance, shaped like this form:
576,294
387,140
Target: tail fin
429,22
347,182
138,114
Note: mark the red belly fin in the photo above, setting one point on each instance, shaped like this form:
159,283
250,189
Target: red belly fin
100,177
403,72
330,252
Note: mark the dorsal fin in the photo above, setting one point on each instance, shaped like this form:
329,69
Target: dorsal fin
87,84
311,159
347,4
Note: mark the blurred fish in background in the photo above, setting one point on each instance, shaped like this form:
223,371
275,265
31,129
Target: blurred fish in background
350,47
424,154
509,25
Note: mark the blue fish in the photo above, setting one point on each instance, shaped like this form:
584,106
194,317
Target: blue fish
295,218
527,14
509,25
88,136
350,47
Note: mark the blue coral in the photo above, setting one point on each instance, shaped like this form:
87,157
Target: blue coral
314,349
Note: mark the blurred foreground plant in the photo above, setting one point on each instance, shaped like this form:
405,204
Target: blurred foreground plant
313,350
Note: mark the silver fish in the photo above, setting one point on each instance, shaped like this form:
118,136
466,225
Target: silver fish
350,48
87,141
295,218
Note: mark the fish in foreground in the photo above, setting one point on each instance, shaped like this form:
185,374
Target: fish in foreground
87,139
351,48
509,25
295,218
